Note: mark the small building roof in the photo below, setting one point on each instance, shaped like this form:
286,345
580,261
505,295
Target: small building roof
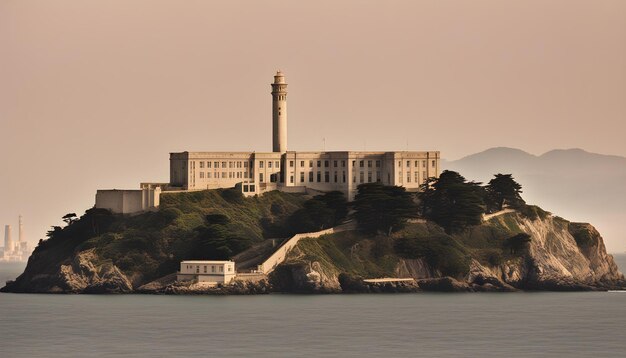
203,262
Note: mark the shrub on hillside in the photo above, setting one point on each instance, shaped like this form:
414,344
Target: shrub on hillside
440,252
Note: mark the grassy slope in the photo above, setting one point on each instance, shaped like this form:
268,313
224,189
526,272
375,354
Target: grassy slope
377,256
153,243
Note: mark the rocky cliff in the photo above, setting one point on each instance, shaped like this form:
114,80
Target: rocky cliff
553,254
559,255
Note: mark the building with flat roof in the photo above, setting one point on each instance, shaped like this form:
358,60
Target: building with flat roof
258,172
209,272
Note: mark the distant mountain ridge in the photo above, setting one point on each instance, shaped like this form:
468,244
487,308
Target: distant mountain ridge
575,183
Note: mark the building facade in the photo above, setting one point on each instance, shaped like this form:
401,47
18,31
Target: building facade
258,172
211,272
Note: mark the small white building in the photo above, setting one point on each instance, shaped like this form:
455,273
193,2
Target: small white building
207,271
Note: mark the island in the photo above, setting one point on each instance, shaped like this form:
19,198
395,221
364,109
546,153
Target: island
451,235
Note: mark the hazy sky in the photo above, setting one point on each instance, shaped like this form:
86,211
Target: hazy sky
95,94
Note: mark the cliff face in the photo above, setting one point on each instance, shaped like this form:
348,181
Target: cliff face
560,256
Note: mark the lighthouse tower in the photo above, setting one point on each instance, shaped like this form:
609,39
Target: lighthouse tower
279,113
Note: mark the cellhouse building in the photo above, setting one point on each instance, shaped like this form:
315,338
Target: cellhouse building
293,171
290,171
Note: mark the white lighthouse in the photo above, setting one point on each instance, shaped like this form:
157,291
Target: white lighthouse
279,113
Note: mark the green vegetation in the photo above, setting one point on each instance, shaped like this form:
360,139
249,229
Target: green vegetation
452,202
381,208
194,225
501,190
318,213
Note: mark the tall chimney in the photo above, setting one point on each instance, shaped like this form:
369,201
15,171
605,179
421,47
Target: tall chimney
21,228
8,242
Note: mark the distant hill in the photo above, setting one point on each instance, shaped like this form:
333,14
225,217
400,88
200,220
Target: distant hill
574,183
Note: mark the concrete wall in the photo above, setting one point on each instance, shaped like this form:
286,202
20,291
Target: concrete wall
128,201
279,255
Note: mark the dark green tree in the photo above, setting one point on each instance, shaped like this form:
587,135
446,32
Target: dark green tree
501,190
452,202
320,212
518,243
69,218
381,208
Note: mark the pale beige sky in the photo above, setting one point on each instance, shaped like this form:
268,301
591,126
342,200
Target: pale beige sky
95,94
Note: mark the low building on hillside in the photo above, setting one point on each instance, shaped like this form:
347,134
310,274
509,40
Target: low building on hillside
211,272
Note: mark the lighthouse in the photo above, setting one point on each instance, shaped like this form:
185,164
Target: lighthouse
279,113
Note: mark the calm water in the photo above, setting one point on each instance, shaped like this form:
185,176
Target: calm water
413,325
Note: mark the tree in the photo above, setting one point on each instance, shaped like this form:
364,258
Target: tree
320,212
503,189
69,218
383,208
452,202
518,243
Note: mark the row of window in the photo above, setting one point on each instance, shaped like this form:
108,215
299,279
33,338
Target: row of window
239,164
362,163
223,175
269,164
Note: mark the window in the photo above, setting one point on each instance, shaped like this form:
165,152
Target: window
223,164
197,269
230,174
260,164
344,177
361,164
230,268
261,177
423,164
208,175
230,164
432,164
216,164
269,163
361,177
417,163
302,164
301,177
201,165
291,179
326,164
205,269
408,177
326,177
369,177
221,268
208,164
277,164
310,177
408,163
399,163
272,178
335,163
335,177
319,177
354,178
353,163
245,164
223,174
378,164
378,177
310,164
343,163
245,175
212,268
416,177
319,163
291,164
369,163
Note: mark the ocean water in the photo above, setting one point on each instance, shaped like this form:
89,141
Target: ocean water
580,324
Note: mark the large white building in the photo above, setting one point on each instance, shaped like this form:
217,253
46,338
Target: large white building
258,172
292,171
